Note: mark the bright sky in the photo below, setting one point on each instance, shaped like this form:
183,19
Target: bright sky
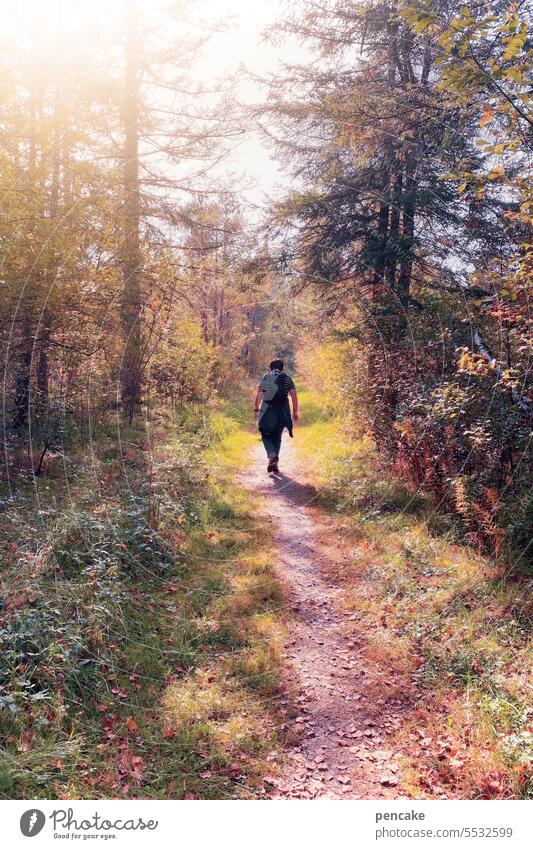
240,44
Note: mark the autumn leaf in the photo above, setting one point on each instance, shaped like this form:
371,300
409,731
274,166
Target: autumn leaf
488,115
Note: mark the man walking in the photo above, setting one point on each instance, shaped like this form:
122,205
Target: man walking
272,410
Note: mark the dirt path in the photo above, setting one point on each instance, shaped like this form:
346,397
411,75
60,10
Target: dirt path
344,733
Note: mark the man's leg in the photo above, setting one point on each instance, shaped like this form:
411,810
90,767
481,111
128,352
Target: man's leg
270,446
272,443
276,442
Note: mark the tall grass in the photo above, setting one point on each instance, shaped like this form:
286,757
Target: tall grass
138,621
452,626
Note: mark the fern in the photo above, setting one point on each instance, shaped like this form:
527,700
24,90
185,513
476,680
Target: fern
480,518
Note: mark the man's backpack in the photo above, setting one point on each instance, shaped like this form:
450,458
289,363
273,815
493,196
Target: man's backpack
281,392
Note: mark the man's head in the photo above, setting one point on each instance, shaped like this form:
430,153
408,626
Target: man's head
276,364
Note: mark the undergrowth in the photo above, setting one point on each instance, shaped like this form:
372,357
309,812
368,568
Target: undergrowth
459,620
138,633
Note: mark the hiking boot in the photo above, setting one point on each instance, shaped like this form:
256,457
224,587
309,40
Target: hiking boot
272,464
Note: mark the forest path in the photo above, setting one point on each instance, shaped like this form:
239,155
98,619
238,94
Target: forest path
341,721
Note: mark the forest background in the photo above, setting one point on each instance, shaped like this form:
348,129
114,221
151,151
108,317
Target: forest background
143,291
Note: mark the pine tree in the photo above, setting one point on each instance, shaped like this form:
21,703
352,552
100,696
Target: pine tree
377,225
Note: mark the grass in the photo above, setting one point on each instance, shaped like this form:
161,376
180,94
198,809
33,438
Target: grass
140,635
452,627
138,621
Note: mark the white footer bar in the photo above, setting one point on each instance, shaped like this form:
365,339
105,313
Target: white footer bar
269,824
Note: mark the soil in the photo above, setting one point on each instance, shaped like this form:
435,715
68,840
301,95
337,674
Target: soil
343,727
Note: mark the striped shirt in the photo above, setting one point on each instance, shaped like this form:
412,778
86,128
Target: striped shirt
274,380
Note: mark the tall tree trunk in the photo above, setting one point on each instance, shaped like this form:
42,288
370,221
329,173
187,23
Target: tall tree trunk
408,230
394,229
409,207
383,224
43,370
392,168
23,378
130,372
42,365
381,349
23,366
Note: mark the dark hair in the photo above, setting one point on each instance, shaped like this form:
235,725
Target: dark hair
276,364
